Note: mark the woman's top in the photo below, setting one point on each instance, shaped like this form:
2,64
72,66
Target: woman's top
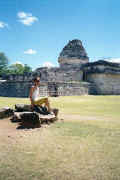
35,94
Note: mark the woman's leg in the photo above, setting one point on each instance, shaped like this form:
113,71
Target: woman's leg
47,104
45,101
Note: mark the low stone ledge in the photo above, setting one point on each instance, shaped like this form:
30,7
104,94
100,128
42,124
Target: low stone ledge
6,112
47,118
23,107
33,119
27,118
28,108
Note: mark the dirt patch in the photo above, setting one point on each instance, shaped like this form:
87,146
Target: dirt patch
7,127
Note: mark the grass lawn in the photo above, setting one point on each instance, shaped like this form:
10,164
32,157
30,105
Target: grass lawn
83,145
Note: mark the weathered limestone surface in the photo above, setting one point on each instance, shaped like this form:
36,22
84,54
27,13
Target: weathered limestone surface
18,89
32,119
6,112
28,108
29,119
101,67
14,77
15,88
64,74
73,89
22,107
105,76
73,54
106,84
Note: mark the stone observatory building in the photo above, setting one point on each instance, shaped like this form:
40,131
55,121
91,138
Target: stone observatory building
73,54
74,76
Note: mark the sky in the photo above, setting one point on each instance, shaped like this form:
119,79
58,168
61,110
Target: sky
35,32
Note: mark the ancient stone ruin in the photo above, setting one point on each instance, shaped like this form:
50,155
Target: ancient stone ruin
27,117
73,54
75,76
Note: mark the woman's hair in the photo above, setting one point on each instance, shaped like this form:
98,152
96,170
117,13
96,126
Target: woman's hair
36,79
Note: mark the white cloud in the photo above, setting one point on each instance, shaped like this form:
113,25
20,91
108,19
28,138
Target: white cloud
30,51
113,60
26,18
48,64
22,15
19,62
3,25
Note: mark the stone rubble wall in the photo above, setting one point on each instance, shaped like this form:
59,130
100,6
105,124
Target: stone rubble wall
14,89
73,89
105,84
58,74
16,77
78,62
21,89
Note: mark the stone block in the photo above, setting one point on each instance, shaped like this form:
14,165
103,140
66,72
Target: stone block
23,107
6,112
33,119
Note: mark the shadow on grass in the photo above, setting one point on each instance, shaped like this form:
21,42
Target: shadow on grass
24,125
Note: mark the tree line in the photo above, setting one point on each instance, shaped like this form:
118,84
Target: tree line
17,68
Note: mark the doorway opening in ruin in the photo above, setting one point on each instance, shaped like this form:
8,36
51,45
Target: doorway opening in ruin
84,76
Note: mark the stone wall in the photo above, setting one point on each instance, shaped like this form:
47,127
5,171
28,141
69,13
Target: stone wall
16,77
101,78
73,89
21,89
105,84
58,74
14,89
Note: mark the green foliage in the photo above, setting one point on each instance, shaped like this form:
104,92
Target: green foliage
27,69
3,63
16,69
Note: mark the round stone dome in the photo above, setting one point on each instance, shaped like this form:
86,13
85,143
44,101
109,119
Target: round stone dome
73,54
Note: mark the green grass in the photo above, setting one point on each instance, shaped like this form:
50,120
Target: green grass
83,146
81,105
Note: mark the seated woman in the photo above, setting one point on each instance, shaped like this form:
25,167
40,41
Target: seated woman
35,95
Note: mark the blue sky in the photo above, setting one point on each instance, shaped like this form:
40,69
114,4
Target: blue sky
34,32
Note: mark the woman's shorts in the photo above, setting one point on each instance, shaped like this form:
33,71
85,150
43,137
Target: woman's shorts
40,101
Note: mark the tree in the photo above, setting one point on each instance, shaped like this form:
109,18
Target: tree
27,69
16,69
3,63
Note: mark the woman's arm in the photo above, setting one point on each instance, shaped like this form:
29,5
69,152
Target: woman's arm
30,95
